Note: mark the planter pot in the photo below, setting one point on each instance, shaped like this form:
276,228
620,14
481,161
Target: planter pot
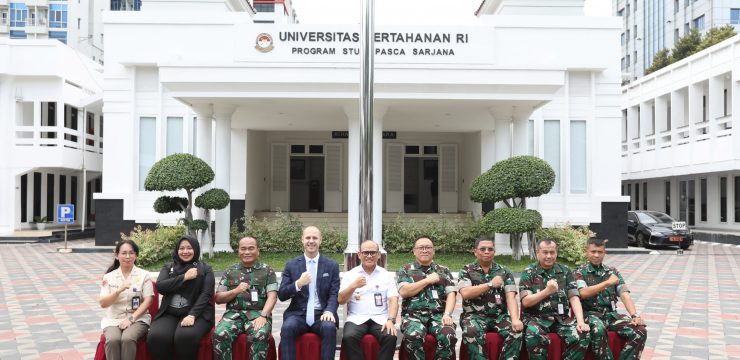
40,226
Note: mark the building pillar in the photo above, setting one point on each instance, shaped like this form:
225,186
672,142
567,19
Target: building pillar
377,183
223,114
204,114
502,144
520,134
353,173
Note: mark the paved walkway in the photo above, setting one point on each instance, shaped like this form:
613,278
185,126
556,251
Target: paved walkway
49,308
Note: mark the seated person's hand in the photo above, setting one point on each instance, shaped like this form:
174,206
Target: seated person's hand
188,321
327,316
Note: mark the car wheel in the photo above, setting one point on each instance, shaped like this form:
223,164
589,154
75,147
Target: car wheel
641,240
685,247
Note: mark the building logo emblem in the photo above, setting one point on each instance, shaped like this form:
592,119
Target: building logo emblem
264,43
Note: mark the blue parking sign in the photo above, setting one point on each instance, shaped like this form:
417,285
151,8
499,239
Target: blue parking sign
65,214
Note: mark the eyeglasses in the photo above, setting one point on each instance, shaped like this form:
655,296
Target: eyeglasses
424,248
369,253
486,249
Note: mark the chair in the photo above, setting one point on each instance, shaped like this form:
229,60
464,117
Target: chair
370,348
616,343
554,351
240,350
141,350
430,349
494,345
308,345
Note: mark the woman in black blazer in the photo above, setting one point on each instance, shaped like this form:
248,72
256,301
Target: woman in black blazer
186,313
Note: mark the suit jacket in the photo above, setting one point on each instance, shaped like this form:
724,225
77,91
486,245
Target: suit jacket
327,286
168,284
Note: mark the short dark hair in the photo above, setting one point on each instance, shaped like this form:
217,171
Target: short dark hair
256,241
546,241
596,242
423,237
483,238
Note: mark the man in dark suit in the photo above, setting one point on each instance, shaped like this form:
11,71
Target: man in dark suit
311,281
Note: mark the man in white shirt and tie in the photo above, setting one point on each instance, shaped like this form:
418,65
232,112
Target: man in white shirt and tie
372,301
311,282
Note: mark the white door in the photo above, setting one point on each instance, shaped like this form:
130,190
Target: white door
448,178
394,178
279,178
333,177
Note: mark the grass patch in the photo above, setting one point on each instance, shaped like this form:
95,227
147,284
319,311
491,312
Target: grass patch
454,261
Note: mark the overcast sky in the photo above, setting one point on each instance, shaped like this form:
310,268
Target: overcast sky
416,12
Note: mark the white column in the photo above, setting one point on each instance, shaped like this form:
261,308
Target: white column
223,114
502,133
521,140
203,142
378,114
353,173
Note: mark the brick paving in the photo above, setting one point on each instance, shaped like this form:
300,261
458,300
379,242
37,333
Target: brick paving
49,308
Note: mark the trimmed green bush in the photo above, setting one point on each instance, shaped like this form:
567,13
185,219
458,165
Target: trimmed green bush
178,171
516,177
213,199
167,204
571,240
400,235
155,245
511,220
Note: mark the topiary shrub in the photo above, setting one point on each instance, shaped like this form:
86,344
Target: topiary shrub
399,236
512,181
571,240
155,245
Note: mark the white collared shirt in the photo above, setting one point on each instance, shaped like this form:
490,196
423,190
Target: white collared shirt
380,281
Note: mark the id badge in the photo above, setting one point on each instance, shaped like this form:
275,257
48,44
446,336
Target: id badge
255,295
498,299
378,299
434,294
614,305
561,309
135,302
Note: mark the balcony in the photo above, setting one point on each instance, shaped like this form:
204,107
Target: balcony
57,146
37,3
36,26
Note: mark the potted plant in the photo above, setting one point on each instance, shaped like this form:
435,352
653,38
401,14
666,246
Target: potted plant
91,220
40,222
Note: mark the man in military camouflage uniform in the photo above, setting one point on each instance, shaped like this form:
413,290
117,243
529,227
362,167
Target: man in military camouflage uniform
428,300
249,290
489,291
600,286
549,292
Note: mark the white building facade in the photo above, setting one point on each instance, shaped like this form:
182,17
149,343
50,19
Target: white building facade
52,135
680,153
274,109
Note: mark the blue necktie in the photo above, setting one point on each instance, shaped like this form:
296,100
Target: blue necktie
311,306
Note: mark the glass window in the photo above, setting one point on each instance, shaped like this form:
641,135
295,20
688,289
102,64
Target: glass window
675,6
57,15
734,16
723,199
18,14
174,135
315,149
59,35
737,199
147,147
629,193
552,150
195,135
686,28
578,157
637,196
15,34
412,149
297,149
703,203
668,197
264,8
699,23
692,203
530,137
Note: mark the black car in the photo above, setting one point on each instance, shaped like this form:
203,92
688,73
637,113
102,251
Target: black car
656,228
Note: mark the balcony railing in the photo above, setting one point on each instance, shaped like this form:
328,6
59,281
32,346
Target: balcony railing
57,136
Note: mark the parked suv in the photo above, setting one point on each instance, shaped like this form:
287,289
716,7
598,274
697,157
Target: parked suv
656,228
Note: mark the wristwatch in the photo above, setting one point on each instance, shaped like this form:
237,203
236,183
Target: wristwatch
635,315
131,318
448,314
392,320
264,316
490,285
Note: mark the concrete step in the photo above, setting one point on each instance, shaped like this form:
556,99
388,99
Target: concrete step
338,221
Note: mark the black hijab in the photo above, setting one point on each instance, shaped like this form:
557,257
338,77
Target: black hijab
179,266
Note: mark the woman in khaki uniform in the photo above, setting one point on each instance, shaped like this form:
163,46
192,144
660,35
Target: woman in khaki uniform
126,293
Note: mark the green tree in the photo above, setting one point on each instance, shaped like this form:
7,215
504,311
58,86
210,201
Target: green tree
661,59
186,172
686,46
716,35
511,182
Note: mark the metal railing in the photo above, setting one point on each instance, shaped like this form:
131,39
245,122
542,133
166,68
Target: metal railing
57,136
